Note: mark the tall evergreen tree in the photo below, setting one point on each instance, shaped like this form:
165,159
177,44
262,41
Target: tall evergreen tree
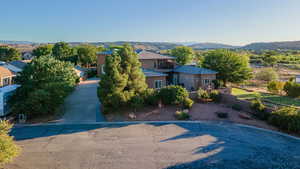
112,82
131,66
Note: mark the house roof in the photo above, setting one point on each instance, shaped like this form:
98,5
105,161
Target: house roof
79,68
151,73
19,64
108,52
4,72
151,55
193,70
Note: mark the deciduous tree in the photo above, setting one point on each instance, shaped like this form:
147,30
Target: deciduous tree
9,54
231,66
43,50
183,54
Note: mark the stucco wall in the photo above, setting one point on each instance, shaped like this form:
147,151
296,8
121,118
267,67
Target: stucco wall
192,81
100,62
151,81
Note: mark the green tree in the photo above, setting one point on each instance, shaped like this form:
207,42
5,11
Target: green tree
43,50
183,54
9,54
231,66
112,83
267,74
131,66
62,51
86,55
44,85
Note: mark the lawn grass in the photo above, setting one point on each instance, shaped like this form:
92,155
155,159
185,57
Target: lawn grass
275,99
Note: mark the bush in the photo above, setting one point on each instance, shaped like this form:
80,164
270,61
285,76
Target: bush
173,94
275,87
286,118
91,73
8,149
237,107
182,115
222,115
259,109
136,102
215,96
292,89
188,103
267,74
203,94
217,83
150,96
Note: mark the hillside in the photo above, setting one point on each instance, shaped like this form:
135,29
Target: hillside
200,46
294,45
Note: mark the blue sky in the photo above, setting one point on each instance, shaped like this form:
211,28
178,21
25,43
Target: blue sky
234,22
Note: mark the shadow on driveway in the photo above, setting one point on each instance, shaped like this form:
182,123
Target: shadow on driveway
176,144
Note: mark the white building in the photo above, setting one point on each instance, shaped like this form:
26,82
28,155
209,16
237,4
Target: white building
5,93
298,79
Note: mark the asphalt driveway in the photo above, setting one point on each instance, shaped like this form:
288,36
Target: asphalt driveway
168,145
82,105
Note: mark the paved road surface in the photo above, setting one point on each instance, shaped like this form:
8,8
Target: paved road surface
153,146
83,105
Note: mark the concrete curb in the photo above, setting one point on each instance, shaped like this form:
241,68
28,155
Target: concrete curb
162,122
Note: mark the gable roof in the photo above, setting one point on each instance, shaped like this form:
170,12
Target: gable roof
4,72
193,70
19,64
151,55
151,73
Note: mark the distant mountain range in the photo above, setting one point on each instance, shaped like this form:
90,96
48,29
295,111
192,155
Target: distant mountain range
200,46
294,45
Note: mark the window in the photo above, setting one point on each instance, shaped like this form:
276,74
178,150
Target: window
5,81
206,82
158,84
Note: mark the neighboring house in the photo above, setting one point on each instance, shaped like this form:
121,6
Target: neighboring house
21,64
7,87
81,72
161,70
192,77
297,78
27,55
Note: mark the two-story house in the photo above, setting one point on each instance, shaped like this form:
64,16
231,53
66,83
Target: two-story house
161,70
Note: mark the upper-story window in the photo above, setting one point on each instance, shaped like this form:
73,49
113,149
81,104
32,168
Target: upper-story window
5,81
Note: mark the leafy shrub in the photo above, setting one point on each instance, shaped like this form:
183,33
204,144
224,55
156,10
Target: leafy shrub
136,101
222,115
215,96
275,87
188,103
8,149
150,96
173,94
286,118
91,73
217,83
203,94
292,89
237,107
259,109
182,115
267,74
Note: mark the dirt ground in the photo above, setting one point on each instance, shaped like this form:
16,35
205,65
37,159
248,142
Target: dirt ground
199,111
